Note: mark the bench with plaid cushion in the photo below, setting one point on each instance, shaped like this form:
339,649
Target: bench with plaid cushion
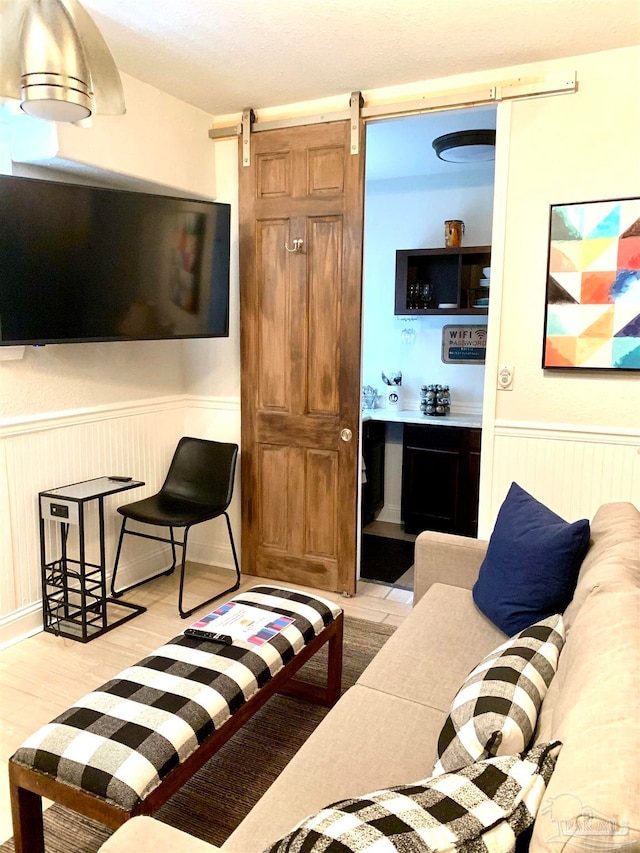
126,747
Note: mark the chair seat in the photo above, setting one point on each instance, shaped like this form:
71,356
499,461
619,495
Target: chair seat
168,511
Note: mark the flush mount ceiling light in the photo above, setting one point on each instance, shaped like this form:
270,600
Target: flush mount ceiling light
466,146
55,61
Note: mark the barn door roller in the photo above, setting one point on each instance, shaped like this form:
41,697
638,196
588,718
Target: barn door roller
249,125
248,118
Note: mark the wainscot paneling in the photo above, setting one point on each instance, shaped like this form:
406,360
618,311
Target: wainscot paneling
135,439
217,419
571,469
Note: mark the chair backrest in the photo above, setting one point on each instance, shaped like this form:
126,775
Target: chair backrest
202,471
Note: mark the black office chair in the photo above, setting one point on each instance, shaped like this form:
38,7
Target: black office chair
198,487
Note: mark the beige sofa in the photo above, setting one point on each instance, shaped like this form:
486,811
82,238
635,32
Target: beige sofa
384,730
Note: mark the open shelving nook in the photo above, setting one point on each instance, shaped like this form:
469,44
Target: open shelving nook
427,278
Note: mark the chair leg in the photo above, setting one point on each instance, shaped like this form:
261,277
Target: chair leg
173,552
233,550
185,613
117,593
117,560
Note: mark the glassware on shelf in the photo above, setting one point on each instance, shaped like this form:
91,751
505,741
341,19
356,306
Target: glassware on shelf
419,295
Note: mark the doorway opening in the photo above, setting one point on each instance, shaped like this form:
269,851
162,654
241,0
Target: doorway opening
409,195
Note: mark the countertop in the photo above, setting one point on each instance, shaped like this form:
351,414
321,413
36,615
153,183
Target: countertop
414,416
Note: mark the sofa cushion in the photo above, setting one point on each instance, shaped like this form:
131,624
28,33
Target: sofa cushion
369,740
593,801
411,663
148,835
613,558
495,710
483,807
532,563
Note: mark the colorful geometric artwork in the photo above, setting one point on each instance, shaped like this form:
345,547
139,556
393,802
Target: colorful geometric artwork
593,286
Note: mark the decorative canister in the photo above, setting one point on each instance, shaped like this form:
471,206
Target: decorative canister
393,392
453,231
435,400
394,397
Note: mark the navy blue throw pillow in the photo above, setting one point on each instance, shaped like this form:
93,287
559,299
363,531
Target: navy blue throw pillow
531,566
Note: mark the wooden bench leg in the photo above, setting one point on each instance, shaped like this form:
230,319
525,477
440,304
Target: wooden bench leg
334,664
26,813
328,695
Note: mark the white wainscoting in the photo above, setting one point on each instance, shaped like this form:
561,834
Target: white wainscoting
137,439
571,469
216,418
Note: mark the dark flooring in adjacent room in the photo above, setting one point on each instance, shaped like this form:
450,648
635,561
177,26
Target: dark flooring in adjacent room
387,555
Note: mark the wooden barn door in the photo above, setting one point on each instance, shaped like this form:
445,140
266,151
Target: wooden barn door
300,354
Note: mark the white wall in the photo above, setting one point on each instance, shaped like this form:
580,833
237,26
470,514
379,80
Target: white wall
566,436
61,377
159,139
584,147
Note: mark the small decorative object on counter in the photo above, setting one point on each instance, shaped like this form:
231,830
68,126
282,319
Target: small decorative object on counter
394,378
393,381
435,400
369,397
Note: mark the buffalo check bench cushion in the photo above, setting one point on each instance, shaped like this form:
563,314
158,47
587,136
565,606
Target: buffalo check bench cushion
120,741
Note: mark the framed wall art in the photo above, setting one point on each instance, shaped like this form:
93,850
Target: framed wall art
592,316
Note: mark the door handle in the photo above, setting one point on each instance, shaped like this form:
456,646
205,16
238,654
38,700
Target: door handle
346,434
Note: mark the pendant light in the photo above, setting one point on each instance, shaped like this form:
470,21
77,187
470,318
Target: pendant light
466,146
55,61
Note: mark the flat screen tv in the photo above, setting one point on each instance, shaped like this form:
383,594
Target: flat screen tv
81,263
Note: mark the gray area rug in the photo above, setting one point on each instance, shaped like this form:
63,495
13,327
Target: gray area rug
217,798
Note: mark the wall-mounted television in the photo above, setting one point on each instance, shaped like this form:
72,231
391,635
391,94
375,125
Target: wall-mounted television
81,263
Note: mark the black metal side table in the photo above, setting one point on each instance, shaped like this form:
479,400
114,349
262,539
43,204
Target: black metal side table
74,591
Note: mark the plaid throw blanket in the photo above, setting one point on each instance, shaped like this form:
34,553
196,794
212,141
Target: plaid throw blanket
120,741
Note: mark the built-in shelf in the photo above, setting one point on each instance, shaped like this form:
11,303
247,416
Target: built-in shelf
428,278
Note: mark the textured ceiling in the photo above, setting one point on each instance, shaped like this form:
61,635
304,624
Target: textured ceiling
223,55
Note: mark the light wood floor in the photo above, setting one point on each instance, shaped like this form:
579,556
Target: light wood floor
43,675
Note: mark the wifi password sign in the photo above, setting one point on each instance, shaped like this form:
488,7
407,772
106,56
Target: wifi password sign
464,344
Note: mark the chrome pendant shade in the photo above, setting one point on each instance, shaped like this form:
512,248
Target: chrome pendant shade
55,61
466,146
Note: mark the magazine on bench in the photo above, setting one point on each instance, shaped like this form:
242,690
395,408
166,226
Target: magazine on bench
236,621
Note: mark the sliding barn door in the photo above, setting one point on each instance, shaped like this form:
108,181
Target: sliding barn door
300,354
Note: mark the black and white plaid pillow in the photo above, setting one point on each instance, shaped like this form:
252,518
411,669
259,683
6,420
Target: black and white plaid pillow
480,809
496,709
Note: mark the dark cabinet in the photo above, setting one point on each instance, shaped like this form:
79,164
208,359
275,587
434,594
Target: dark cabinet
440,479
429,278
373,445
